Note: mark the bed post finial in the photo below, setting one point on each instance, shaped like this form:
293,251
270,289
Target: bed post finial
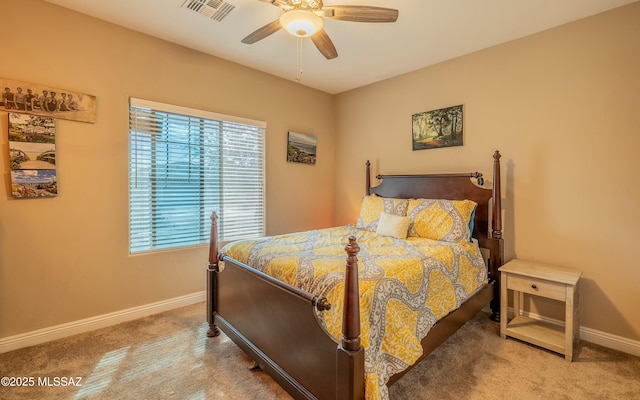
496,223
367,179
212,276
351,306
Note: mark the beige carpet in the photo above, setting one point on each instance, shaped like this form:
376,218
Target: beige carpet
168,356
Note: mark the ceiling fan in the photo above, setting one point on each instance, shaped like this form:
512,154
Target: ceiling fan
304,18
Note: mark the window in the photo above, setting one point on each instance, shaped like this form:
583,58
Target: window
183,165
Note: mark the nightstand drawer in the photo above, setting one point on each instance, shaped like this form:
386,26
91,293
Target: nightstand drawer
539,287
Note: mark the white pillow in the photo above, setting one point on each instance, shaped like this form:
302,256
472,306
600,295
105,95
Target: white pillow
393,225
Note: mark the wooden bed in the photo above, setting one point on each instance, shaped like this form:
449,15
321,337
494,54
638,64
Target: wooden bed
276,325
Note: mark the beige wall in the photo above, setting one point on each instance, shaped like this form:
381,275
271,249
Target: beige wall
66,258
562,107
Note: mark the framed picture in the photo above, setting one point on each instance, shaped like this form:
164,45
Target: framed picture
437,128
32,148
301,148
35,99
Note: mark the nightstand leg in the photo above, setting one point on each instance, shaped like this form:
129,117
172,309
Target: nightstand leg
518,301
504,302
570,323
576,315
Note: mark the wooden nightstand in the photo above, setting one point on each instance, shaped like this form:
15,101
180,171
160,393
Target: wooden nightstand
542,280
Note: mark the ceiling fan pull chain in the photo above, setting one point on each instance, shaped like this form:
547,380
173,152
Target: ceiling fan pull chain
299,59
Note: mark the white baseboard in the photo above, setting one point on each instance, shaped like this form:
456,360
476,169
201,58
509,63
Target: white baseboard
611,341
605,339
101,321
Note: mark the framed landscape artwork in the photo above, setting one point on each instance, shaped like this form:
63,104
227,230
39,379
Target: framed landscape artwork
437,128
301,148
32,148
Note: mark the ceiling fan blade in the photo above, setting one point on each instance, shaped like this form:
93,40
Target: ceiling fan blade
263,32
324,44
361,13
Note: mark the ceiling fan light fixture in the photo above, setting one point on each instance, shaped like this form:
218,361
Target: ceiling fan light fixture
301,23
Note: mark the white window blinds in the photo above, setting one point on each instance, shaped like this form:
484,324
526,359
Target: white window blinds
183,165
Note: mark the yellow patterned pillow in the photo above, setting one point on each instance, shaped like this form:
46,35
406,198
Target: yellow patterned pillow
393,225
373,206
446,220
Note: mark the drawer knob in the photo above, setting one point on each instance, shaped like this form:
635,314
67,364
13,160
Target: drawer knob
533,286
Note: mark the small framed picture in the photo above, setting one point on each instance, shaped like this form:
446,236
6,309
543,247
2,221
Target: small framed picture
301,148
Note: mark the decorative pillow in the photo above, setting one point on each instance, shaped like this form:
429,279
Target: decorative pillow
393,225
373,206
447,220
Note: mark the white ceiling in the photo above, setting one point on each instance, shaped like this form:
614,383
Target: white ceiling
426,32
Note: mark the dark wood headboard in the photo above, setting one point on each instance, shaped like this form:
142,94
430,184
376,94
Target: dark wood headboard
488,217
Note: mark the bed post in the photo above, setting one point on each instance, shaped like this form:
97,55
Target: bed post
351,305
496,230
496,234
212,277
350,357
367,179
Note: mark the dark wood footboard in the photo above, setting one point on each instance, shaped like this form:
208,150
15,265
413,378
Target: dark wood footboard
276,325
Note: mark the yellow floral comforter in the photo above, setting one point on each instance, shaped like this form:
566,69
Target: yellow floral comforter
405,287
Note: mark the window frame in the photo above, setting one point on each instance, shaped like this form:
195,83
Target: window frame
235,126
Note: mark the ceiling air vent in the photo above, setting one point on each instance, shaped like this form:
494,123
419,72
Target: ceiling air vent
214,9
